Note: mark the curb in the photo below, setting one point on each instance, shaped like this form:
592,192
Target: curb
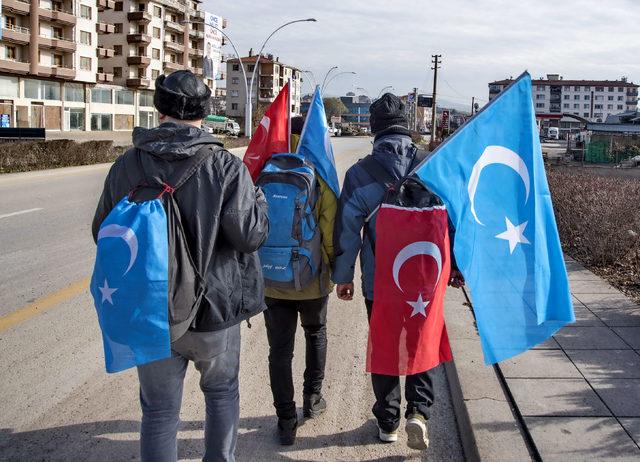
487,420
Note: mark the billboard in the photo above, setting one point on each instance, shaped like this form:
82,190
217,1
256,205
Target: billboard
425,101
212,45
444,121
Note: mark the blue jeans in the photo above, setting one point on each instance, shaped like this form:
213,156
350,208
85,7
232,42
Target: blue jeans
161,384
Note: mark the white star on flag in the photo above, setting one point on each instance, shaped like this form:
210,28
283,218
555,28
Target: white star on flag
107,292
418,306
514,234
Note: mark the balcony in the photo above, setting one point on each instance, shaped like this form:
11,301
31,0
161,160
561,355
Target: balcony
174,46
197,71
138,60
196,51
105,53
14,66
104,28
106,5
194,33
198,14
16,34
139,16
632,92
60,43
16,6
104,77
138,38
59,16
138,83
174,26
60,72
170,66
175,5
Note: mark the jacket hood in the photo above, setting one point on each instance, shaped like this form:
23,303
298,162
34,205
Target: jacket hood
395,153
172,141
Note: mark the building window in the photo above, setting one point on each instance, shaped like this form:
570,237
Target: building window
598,106
42,89
75,118
117,50
620,89
599,88
9,22
576,88
599,98
586,114
576,106
101,122
74,92
57,32
234,106
101,95
620,98
117,72
587,97
9,86
118,28
235,80
142,7
566,96
586,106
155,53
145,98
157,11
85,63
11,52
609,106
85,37
236,67
85,11
251,67
540,88
620,106
610,98
235,93
539,96
611,89
58,60
539,105
118,6
147,119
156,32
124,97
155,73
576,96
566,105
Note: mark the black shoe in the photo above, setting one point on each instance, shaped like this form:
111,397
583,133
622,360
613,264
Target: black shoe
313,405
287,429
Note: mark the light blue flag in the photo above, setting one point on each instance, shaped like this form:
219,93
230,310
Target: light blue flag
315,143
491,176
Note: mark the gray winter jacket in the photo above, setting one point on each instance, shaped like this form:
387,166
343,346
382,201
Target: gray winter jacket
224,215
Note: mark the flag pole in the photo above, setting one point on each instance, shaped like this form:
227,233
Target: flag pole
289,114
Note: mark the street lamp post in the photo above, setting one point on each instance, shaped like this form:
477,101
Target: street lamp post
334,77
248,111
327,75
388,87
366,92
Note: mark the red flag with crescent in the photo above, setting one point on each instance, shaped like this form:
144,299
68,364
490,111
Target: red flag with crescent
271,135
407,334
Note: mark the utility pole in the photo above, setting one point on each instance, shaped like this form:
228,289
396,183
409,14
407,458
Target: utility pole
435,60
473,101
415,109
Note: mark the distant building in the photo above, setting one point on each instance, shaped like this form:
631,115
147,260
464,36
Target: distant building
565,103
357,109
272,75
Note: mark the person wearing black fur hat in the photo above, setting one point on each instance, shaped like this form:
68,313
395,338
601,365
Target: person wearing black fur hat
225,221
362,193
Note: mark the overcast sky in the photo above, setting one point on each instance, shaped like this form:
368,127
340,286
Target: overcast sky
390,42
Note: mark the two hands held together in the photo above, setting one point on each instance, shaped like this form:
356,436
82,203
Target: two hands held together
345,291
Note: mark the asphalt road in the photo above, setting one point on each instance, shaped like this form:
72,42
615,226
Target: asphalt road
56,401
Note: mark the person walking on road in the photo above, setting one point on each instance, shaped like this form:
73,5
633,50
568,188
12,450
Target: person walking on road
363,192
308,301
225,221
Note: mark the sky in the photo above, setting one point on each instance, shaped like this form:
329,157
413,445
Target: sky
391,42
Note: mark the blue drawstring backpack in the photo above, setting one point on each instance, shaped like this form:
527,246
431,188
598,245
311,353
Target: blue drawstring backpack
145,285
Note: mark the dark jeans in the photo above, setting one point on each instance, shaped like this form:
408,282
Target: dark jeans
161,397
281,319
418,391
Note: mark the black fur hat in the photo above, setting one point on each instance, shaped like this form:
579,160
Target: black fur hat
182,95
388,115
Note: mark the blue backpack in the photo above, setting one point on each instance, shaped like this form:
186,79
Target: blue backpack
145,285
291,257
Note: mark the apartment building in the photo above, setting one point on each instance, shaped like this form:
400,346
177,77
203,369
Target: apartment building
91,64
556,100
271,76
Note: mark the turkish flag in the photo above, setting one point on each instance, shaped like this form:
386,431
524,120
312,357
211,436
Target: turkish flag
407,334
271,136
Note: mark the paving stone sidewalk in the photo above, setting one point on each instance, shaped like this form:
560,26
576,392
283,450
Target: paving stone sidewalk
579,393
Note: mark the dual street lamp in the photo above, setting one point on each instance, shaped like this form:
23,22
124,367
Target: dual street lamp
248,110
333,77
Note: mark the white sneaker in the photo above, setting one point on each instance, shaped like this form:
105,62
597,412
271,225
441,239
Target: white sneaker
387,437
416,428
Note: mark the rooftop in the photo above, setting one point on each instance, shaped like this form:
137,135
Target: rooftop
265,59
614,128
563,82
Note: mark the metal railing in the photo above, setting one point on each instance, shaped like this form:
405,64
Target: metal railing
62,39
22,30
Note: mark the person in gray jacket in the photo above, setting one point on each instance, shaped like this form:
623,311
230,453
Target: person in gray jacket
225,221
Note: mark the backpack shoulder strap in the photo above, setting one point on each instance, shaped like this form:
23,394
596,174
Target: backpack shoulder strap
198,160
376,171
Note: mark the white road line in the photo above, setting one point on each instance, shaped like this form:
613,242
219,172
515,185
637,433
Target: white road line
21,212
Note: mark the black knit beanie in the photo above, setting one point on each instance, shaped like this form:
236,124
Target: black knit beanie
388,115
182,95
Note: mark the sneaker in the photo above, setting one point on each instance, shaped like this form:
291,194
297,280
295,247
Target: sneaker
313,405
416,428
287,429
387,437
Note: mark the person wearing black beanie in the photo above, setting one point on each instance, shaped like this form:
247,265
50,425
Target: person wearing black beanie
216,222
364,188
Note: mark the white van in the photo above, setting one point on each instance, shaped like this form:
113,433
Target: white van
553,133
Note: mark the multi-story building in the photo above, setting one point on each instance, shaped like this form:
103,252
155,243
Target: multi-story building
91,64
558,102
271,76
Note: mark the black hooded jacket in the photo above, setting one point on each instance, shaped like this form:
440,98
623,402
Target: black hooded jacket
224,215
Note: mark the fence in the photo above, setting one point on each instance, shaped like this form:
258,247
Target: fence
598,152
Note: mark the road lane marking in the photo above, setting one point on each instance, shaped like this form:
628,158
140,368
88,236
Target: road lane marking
21,212
43,304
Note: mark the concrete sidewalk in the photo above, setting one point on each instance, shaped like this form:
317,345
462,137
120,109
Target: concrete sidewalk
575,397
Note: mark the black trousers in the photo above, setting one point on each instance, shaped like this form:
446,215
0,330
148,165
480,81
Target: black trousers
281,319
418,391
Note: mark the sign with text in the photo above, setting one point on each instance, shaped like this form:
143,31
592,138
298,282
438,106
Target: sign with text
425,101
444,121
212,45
